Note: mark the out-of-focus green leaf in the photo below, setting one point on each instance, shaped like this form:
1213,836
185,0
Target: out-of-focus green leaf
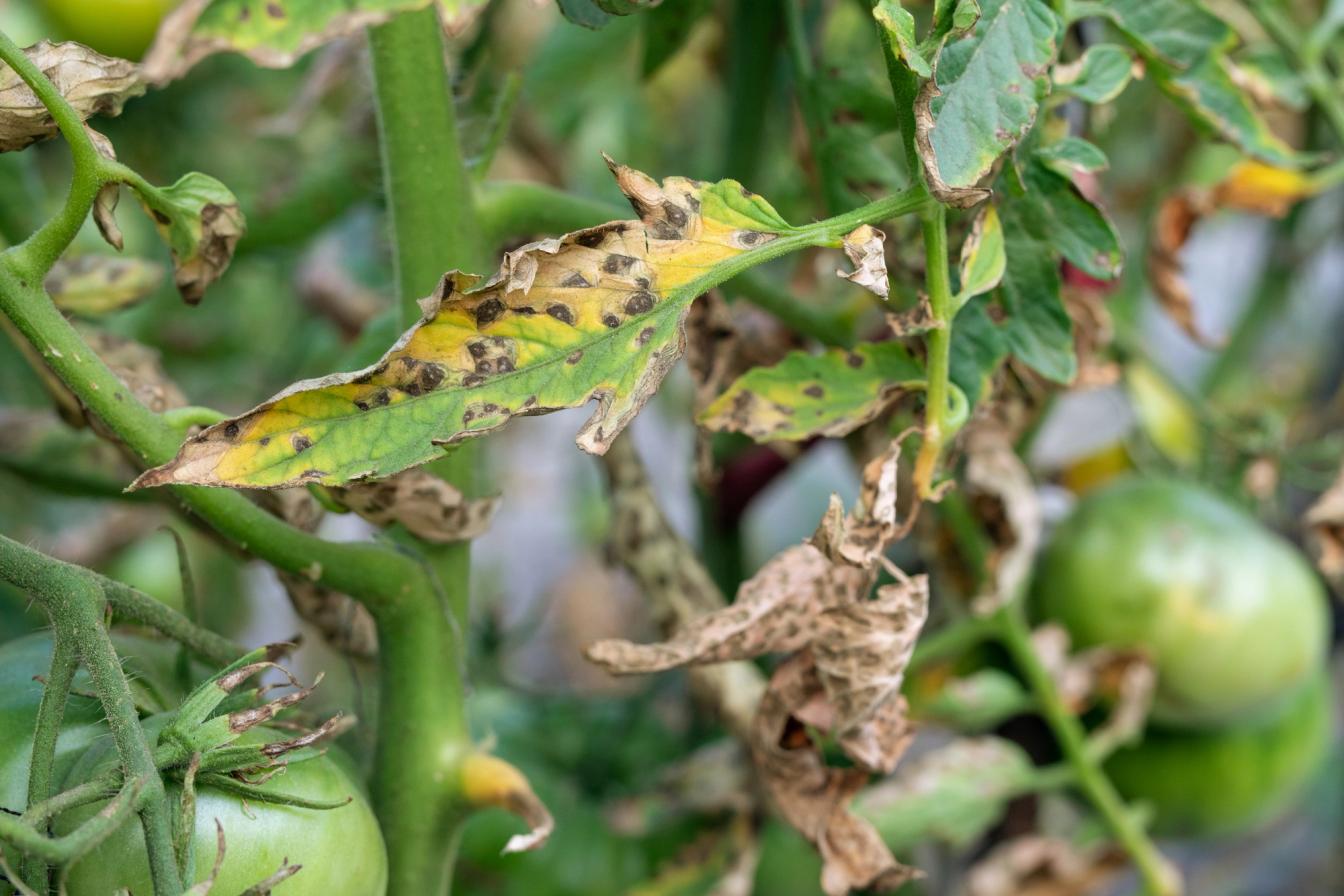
666,28
91,285
1099,76
1071,154
806,395
1185,47
275,33
978,348
984,96
1058,214
953,794
976,702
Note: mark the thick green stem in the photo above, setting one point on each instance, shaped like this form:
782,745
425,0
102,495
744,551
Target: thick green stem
1159,879
421,651
1317,79
938,427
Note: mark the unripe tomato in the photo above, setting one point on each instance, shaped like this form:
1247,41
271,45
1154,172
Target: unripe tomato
151,666
1232,615
1204,783
341,850
122,28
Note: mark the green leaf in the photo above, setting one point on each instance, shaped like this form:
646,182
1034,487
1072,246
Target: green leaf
200,221
1070,154
978,348
1061,216
1099,76
1037,329
984,96
806,395
666,29
954,794
595,314
982,258
976,702
899,26
275,33
584,13
951,18
1185,47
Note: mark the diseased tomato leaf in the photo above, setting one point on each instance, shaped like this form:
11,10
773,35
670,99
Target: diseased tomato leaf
598,313
984,95
93,84
275,33
93,285
806,395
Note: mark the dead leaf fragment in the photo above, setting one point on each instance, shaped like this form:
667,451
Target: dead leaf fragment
813,797
92,83
1122,679
343,622
489,781
429,507
1033,865
864,248
1325,520
1005,497
105,202
200,221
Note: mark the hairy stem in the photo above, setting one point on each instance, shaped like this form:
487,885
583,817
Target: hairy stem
1158,878
55,693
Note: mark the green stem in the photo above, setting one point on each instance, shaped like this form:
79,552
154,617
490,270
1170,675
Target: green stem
47,729
1158,877
938,428
952,640
434,225
1284,31
62,850
800,58
753,46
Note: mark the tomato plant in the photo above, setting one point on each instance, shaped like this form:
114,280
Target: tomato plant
953,492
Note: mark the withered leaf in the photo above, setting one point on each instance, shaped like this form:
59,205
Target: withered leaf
864,249
489,781
92,285
92,83
343,622
1325,520
200,221
813,797
1033,865
1006,498
105,202
1122,679
426,505
595,314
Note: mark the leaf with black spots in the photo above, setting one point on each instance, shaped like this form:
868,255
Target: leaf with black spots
594,314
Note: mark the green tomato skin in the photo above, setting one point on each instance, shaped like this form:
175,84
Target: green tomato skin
1233,617
122,28
150,663
1215,783
341,850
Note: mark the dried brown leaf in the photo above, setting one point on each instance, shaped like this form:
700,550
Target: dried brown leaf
138,367
105,202
426,505
914,321
1325,520
344,623
92,83
1005,496
813,797
1176,218
1120,678
864,248
1033,865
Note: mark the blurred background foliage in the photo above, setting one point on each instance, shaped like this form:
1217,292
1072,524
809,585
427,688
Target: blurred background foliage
1258,415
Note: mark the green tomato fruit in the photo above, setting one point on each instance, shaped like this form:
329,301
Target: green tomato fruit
122,28
151,666
1208,783
1232,615
340,850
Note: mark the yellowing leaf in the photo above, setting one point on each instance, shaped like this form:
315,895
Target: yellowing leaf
983,259
598,313
489,781
91,285
806,395
1165,415
92,83
1265,189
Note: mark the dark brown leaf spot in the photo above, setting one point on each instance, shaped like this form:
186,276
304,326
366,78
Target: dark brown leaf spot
477,349
430,377
814,391
488,311
640,303
575,281
854,360
472,379
300,443
162,218
274,10
645,335
574,357
611,320
617,263
231,430
562,313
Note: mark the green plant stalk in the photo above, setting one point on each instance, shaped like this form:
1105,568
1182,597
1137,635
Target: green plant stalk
938,427
833,189
47,728
1158,878
434,227
74,602
1317,79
